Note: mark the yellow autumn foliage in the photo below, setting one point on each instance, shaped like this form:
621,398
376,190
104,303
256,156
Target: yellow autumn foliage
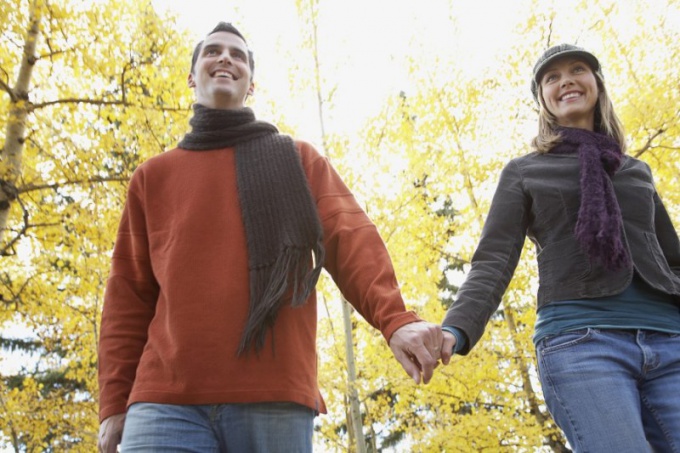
106,90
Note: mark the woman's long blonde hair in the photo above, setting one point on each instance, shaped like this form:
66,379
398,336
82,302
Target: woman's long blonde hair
606,120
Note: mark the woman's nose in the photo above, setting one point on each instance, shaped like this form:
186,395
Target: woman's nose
566,80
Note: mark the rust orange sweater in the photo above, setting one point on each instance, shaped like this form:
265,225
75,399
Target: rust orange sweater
177,296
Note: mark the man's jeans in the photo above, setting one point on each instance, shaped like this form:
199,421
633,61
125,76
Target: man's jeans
261,427
613,390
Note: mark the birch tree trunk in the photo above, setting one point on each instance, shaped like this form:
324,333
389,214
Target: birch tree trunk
10,159
310,9
356,424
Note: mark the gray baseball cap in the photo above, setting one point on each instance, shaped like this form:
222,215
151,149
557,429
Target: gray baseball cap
559,51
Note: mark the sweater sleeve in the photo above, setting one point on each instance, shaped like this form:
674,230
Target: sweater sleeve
495,259
356,256
129,306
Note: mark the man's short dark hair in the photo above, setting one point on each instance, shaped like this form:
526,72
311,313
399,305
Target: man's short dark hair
229,28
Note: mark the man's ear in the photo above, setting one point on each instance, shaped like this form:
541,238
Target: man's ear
190,81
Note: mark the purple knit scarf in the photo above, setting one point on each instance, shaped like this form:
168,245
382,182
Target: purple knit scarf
599,223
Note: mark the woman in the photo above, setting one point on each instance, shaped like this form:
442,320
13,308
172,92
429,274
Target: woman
607,334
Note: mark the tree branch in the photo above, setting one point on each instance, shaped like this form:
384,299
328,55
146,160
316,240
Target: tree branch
101,102
76,101
153,134
5,251
54,53
9,90
648,145
96,179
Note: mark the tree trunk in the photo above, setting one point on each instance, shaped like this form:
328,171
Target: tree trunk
354,422
528,388
10,159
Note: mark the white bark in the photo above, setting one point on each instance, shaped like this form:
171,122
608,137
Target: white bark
12,152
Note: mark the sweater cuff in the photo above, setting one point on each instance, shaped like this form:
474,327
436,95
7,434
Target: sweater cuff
398,322
461,338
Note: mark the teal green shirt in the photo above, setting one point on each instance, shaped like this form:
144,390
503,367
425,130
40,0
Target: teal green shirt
639,306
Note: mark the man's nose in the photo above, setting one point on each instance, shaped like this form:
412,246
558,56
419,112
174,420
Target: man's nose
224,58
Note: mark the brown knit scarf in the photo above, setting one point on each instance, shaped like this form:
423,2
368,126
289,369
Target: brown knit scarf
283,230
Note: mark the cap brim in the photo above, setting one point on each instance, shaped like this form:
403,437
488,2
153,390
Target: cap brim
586,56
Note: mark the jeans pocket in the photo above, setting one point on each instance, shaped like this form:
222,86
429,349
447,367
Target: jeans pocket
564,340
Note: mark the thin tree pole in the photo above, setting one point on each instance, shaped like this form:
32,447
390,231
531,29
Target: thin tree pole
354,422
355,409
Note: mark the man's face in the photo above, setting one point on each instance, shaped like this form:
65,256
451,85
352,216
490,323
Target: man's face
222,76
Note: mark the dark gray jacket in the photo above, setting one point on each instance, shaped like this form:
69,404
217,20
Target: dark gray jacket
538,196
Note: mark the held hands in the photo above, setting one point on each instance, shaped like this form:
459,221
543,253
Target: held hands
418,347
110,433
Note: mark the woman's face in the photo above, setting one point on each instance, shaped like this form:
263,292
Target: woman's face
570,93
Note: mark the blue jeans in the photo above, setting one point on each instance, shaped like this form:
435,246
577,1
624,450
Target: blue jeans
613,390
261,427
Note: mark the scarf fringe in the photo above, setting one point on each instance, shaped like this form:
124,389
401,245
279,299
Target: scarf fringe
269,285
598,228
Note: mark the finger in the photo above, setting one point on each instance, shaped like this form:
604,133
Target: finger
436,340
436,352
426,361
102,444
113,447
447,348
409,365
439,337
428,370
110,444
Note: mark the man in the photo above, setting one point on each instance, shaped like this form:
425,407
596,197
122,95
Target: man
209,325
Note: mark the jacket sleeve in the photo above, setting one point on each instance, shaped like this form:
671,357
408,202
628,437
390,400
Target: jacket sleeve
494,260
667,235
129,306
356,256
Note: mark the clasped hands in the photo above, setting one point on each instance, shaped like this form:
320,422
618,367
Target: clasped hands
419,346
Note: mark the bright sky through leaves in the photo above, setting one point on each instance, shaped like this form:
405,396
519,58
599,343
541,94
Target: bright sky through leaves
363,44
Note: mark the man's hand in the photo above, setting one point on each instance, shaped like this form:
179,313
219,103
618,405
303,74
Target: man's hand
447,347
417,346
110,433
